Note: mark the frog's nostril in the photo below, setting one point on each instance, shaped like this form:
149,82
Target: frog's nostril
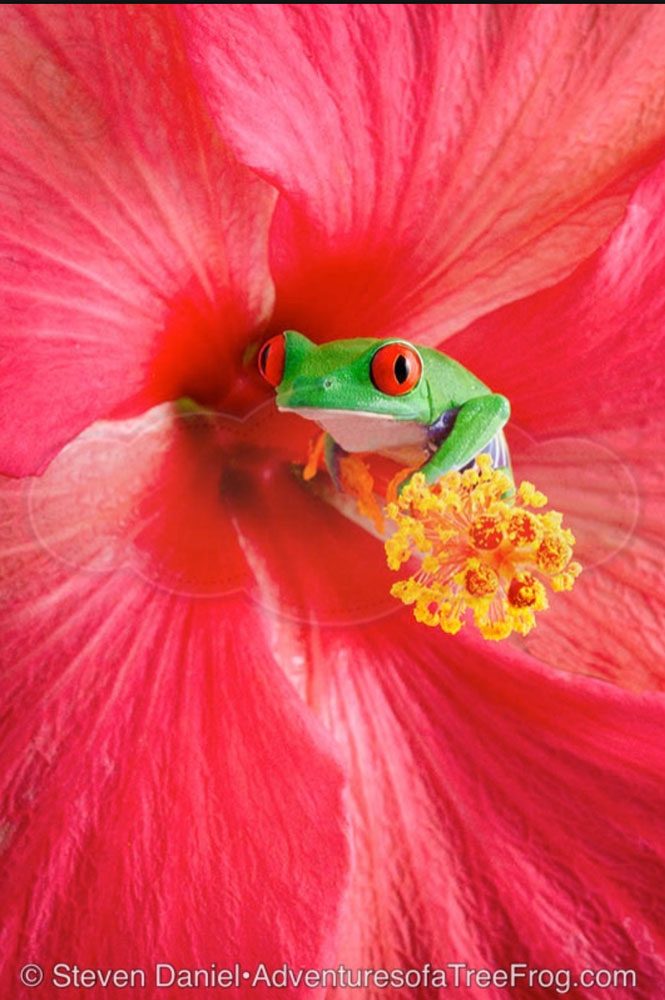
327,383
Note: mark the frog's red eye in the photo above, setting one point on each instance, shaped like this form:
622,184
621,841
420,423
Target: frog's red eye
396,369
271,359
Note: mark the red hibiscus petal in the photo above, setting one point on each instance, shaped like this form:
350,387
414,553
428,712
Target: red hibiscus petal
502,813
166,796
611,490
589,353
133,249
436,161
308,561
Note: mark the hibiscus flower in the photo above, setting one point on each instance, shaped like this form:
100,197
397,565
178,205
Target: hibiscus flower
222,741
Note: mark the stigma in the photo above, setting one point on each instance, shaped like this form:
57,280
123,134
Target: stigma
489,555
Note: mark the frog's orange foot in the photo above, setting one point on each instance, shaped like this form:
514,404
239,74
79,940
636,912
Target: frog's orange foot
398,480
356,480
314,456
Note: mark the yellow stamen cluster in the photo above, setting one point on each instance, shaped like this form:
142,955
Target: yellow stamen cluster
481,551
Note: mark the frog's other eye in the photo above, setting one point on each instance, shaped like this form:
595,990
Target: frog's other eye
271,359
396,369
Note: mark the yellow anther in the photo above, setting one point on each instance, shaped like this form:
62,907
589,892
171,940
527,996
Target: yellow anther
553,553
566,581
526,592
522,528
530,496
426,614
485,532
430,564
495,630
480,580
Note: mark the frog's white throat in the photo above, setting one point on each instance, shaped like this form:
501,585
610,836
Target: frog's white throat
359,431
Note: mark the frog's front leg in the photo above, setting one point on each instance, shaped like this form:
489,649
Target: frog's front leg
476,423
333,453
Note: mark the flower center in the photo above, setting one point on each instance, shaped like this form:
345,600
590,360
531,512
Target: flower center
482,551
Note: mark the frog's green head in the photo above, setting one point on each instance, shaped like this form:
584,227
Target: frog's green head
363,375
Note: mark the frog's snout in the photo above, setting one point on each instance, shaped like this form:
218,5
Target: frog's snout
309,392
316,387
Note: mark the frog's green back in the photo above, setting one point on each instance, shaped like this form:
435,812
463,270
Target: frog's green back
450,383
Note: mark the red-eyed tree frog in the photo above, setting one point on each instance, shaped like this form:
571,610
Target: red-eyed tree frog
410,403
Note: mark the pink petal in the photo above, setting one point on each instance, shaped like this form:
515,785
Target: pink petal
133,248
589,353
166,796
501,812
613,497
436,161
